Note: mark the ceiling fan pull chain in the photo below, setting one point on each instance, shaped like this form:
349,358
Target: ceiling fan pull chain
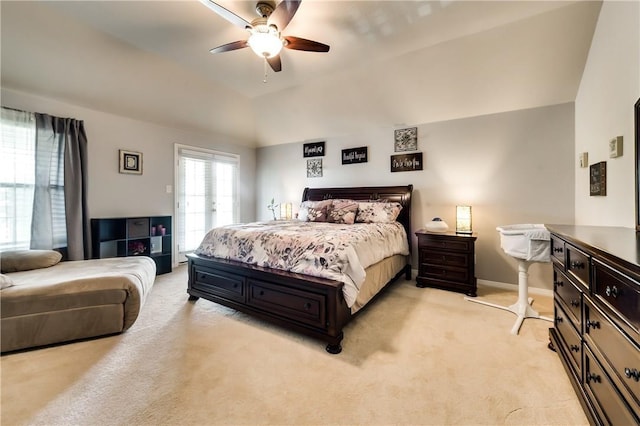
265,70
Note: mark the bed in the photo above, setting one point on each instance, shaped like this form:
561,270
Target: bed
312,305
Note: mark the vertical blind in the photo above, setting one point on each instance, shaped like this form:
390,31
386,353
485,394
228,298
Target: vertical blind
207,194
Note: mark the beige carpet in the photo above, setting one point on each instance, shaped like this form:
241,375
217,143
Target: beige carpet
415,356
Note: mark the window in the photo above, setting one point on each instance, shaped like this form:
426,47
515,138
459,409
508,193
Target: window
207,186
17,178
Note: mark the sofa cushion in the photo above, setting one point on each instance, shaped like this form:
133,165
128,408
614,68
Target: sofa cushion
26,260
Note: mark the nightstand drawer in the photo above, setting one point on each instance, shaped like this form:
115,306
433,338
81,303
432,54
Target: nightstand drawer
445,273
435,242
445,258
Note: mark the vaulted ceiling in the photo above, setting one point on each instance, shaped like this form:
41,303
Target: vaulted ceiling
391,63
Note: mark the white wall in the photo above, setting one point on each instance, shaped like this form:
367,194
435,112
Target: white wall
112,194
514,167
604,109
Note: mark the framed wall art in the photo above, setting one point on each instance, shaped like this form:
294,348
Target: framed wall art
314,168
130,162
313,149
406,162
598,178
355,155
406,139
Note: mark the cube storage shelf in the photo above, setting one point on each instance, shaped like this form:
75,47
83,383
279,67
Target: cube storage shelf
134,236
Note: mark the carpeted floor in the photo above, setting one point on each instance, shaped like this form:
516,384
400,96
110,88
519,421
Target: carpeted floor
415,356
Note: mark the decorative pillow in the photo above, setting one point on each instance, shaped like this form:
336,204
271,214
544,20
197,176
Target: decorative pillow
377,212
343,211
314,211
25,260
5,282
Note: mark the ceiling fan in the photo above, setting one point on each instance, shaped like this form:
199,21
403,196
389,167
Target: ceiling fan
265,37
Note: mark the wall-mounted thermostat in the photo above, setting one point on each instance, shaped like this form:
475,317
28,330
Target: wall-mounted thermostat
584,159
615,147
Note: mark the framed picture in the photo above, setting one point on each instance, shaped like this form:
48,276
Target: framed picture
406,162
406,139
130,162
314,168
598,178
313,149
354,155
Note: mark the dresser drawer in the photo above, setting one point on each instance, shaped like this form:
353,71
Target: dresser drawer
570,295
431,241
557,250
613,408
621,293
621,353
578,265
570,338
219,283
303,306
445,258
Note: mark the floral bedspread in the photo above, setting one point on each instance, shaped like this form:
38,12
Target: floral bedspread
329,250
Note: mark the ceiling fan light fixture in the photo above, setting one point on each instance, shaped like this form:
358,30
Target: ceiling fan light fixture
265,41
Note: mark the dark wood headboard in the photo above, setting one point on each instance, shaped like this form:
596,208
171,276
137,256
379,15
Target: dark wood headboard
400,194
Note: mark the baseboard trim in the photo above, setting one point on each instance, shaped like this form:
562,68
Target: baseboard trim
514,287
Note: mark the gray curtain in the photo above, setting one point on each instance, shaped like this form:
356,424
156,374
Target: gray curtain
60,215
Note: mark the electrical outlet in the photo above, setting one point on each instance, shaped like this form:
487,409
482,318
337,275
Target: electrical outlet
169,189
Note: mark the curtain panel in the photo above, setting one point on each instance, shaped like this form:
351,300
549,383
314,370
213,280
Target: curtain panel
60,196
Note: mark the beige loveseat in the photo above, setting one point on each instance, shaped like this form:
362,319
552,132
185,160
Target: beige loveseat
69,300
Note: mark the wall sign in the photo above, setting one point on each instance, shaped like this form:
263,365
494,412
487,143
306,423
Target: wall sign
313,149
406,162
598,178
354,155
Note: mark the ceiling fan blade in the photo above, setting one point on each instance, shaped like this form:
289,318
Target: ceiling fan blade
230,46
297,43
226,14
275,63
283,13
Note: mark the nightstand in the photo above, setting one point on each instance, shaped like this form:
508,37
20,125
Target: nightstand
446,260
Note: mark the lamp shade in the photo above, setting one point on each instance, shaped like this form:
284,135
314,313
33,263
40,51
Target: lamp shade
463,220
265,41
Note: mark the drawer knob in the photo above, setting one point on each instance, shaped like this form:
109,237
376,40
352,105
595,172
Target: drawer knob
593,324
557,249
592,377
612,291
559,319
261,293
575,303
575,348
559,283
632,374
307,306
577,265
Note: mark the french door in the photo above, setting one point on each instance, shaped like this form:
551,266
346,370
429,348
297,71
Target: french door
206,195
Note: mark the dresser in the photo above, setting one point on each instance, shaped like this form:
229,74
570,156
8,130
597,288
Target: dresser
446,260
596,333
